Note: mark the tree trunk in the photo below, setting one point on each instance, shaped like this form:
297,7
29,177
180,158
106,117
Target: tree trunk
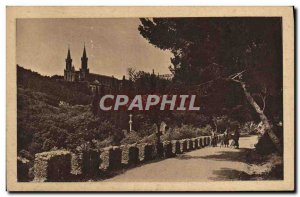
263,118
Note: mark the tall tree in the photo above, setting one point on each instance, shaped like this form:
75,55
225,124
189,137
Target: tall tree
209,51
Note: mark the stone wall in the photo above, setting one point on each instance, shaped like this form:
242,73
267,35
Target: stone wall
176,147
183,146
52,166
196,142
141,148
150,152
76,163
130,154
167,147
23,168
90,162
61,165
201,144
192,144
110,158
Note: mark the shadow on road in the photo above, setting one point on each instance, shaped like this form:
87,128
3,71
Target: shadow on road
112,173
224,155
230,174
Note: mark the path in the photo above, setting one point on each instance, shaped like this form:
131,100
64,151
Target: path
208,164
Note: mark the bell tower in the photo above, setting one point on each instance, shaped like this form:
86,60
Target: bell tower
68,70
69,60
84,71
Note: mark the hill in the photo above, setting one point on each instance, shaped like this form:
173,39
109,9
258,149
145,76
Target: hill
52,113
72,93
43,125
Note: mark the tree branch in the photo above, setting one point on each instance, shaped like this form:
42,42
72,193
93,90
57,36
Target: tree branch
263,99
239,74
264,119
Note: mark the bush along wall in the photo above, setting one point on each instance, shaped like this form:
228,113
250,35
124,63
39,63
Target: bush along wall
63,165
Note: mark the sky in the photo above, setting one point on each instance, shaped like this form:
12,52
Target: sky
112,46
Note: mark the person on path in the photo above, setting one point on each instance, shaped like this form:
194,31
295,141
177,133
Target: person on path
236,138
226,139
213,139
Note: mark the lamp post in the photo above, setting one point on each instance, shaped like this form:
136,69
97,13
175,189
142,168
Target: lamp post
130,122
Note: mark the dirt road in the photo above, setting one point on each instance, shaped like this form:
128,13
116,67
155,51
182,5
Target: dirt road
205,164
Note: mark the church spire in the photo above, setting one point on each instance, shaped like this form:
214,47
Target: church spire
69,60
84,52
69,53
84,65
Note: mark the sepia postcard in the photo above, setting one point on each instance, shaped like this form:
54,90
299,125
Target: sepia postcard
150,99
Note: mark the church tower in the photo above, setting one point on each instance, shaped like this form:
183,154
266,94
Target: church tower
68,70
69,60
84,71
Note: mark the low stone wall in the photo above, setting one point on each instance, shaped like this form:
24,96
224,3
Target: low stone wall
130,154
196,142
76,163
52,166
110,158
183,146
206,141
90,162
116,158
150,152
192,144
133,155
188,144
167,146
176,147
201,142
23,168
59,165
141,148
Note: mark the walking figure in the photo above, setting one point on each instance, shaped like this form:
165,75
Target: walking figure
236,138
226,139
213,139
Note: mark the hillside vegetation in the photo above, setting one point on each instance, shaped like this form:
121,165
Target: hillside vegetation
53,114
59,90
43,125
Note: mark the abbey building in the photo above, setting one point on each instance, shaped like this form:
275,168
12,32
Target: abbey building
96,82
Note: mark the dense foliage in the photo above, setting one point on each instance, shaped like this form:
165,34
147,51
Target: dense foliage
208,50
43,125
58,89
48,119
53,113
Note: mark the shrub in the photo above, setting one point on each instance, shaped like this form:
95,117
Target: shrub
249,128
186,131
131,138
